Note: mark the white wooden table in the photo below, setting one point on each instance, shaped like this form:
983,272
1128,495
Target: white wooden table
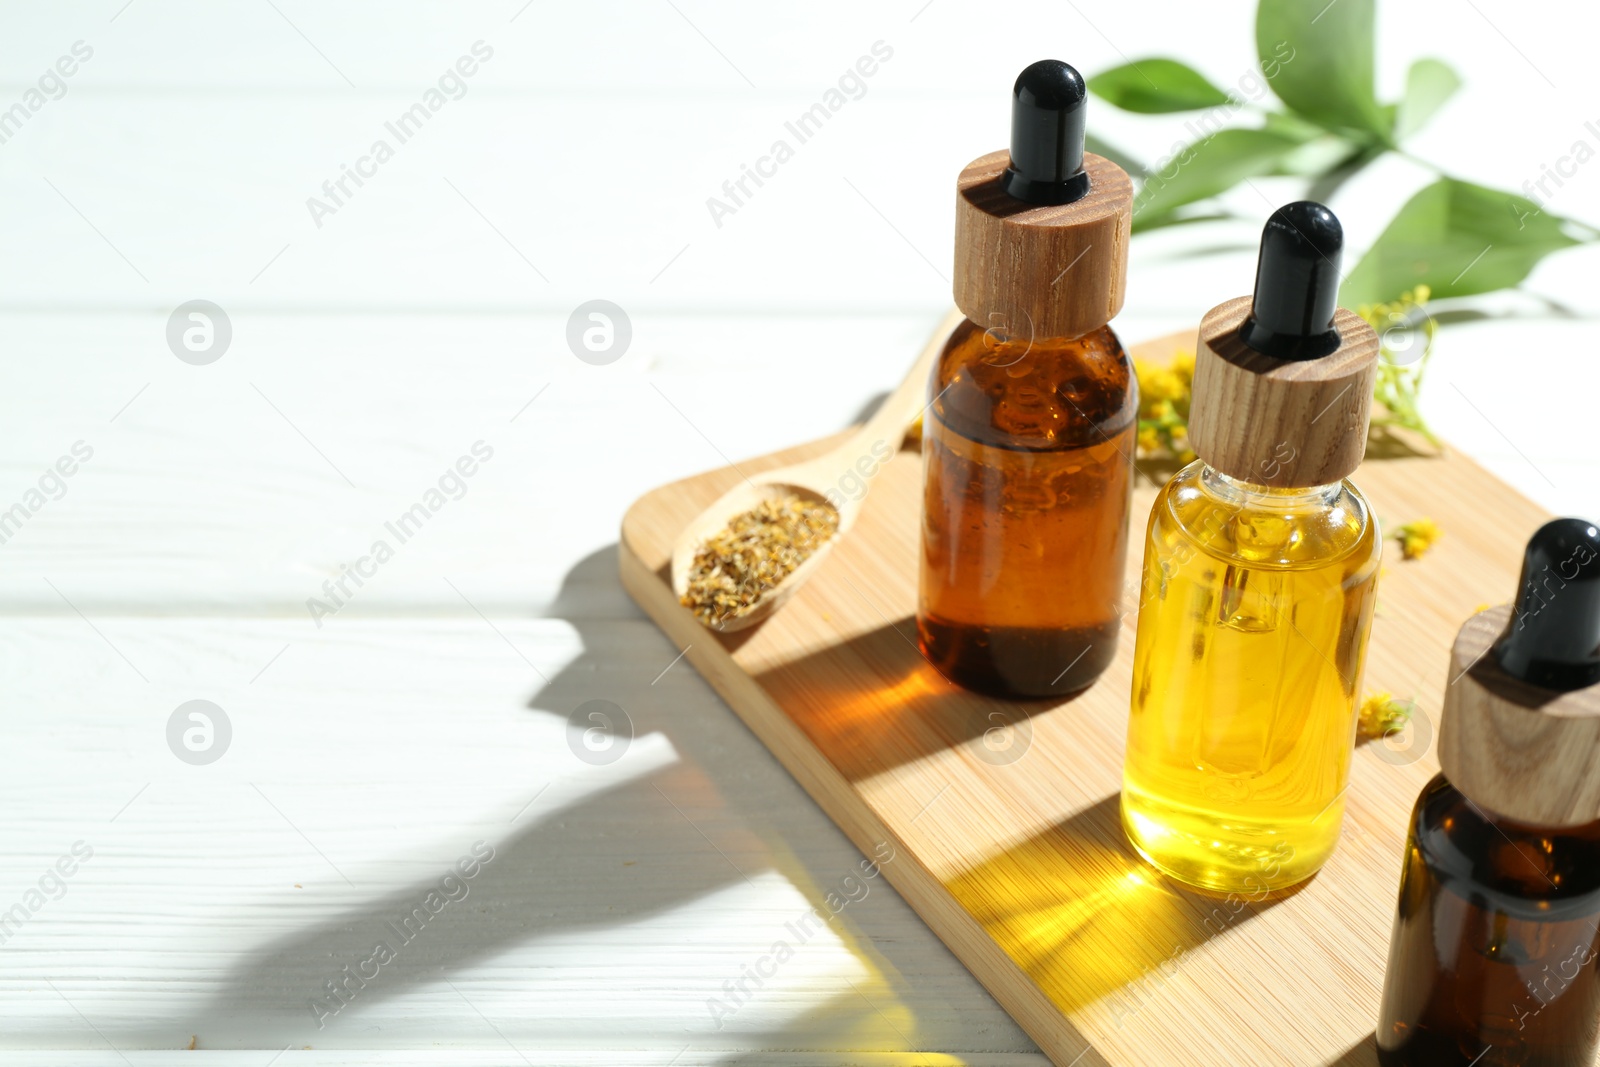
429,312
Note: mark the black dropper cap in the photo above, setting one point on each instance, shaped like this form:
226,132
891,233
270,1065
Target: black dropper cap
1047,127
1297,284
1554,637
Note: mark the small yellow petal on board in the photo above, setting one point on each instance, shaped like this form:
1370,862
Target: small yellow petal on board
1381,714
1417,537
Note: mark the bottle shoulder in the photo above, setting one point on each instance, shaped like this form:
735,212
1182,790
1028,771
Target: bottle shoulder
1542,873
1033,393
1274,528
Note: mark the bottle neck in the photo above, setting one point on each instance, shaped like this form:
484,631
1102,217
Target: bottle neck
1239,492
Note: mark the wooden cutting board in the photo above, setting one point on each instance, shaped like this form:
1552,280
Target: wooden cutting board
1002,816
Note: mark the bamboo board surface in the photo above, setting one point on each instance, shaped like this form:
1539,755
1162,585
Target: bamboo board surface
1003,816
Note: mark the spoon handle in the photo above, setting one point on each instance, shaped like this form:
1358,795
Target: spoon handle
909,399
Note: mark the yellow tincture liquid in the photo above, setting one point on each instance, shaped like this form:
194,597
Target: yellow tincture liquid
1253,625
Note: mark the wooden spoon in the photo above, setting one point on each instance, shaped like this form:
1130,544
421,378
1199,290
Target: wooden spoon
816,481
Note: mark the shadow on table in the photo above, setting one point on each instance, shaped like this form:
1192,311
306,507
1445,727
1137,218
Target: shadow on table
1089,920
863,1025
558,874
549,878
839,697
1363,1053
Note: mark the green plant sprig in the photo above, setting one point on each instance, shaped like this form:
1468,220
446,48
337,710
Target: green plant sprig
1453,238
1405,340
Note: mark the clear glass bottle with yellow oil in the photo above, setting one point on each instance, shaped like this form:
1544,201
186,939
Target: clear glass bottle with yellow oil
1260,574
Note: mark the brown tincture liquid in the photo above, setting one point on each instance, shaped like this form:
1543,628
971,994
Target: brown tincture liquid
1493,958
1028,465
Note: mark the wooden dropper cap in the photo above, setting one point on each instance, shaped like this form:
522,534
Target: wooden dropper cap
1283,380
1042,230
1520,729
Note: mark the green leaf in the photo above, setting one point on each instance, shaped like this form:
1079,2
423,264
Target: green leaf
1318,59
1155,87
1320,152
1208,167
1291,125
1429,83
1458,239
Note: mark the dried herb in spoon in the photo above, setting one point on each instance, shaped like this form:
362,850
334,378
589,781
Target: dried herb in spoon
757,550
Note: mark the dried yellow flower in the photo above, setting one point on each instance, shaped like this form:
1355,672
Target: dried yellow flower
1183,367
1160,383
1417,537
739,565
1381,714
1164,391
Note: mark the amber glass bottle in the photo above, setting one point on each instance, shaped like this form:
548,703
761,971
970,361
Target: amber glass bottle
1493,957
1025,517
1028,439
1493,962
